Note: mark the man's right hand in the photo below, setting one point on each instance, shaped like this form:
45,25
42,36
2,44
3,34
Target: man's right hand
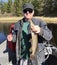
9,37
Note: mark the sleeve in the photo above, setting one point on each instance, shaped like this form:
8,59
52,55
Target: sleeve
14,36
46,32
14,33
16,26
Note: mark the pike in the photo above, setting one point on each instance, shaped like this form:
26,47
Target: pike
34,40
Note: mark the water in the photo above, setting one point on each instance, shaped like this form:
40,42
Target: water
53,28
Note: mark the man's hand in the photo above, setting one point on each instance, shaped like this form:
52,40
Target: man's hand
36,28
9,37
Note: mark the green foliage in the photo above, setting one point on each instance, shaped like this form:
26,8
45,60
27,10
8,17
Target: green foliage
9,4
5,7
17,7
50,7
42,7
2,7
38,6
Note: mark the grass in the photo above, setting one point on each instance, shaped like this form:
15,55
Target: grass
15,19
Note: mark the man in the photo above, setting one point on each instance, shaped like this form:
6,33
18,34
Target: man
23,32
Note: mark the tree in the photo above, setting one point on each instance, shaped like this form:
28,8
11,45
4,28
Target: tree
9,4
2,7
17,7
5,7
50,7
38,6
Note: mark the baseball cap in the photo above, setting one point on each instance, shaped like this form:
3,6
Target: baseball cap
28,5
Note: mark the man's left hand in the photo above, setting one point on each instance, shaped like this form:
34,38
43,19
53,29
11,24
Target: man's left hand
36,28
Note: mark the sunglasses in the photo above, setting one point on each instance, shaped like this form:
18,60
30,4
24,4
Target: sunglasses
29,10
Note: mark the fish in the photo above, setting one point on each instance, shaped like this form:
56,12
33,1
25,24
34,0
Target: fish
34,41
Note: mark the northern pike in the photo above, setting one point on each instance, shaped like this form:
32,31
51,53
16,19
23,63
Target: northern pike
34,40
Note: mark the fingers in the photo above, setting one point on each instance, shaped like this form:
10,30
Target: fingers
35,29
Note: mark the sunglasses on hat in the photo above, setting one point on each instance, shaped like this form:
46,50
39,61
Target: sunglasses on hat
29,10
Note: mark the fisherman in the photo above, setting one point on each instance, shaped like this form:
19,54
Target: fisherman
22,30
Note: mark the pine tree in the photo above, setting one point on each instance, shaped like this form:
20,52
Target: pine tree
17,7
2,7
9,4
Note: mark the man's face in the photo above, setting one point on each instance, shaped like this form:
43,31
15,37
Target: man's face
28,13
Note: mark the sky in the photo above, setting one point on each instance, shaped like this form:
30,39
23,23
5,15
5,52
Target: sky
4,0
